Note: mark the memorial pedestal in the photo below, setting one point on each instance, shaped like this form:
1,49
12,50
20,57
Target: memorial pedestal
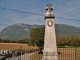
50,48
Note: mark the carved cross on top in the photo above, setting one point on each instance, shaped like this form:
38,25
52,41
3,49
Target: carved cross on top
49,7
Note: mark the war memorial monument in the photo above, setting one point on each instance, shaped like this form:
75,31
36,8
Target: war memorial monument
50,47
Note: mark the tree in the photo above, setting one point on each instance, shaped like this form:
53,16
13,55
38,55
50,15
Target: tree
68,41
75,42
61,41
25,40
37,37
0,40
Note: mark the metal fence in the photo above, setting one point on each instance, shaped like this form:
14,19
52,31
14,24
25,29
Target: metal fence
63,54
66,53
69,53
17,54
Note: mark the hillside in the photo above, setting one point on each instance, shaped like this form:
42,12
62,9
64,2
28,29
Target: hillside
17,31
65,30
20,31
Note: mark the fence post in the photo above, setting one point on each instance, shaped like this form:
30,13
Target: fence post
75,53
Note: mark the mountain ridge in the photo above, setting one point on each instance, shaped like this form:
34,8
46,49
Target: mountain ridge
21,30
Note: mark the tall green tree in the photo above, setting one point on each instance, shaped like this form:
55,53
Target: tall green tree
37,37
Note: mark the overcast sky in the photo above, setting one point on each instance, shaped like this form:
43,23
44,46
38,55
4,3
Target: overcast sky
69,9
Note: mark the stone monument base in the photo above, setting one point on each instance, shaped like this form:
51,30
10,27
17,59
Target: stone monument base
50,56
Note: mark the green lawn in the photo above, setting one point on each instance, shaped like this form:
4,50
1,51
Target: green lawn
68,47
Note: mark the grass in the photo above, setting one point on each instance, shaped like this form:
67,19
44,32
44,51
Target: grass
68,46
36,56
17,46
11,46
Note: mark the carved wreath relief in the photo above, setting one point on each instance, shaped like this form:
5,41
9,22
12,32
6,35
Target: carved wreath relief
50,23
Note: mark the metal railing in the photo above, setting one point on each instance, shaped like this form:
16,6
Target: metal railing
63,54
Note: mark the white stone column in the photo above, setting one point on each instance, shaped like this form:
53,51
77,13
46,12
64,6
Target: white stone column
50,47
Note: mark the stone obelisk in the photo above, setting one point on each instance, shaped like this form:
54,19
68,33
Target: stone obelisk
50,47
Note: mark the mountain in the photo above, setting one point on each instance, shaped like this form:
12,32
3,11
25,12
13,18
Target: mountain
67,30
20,31
17,31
